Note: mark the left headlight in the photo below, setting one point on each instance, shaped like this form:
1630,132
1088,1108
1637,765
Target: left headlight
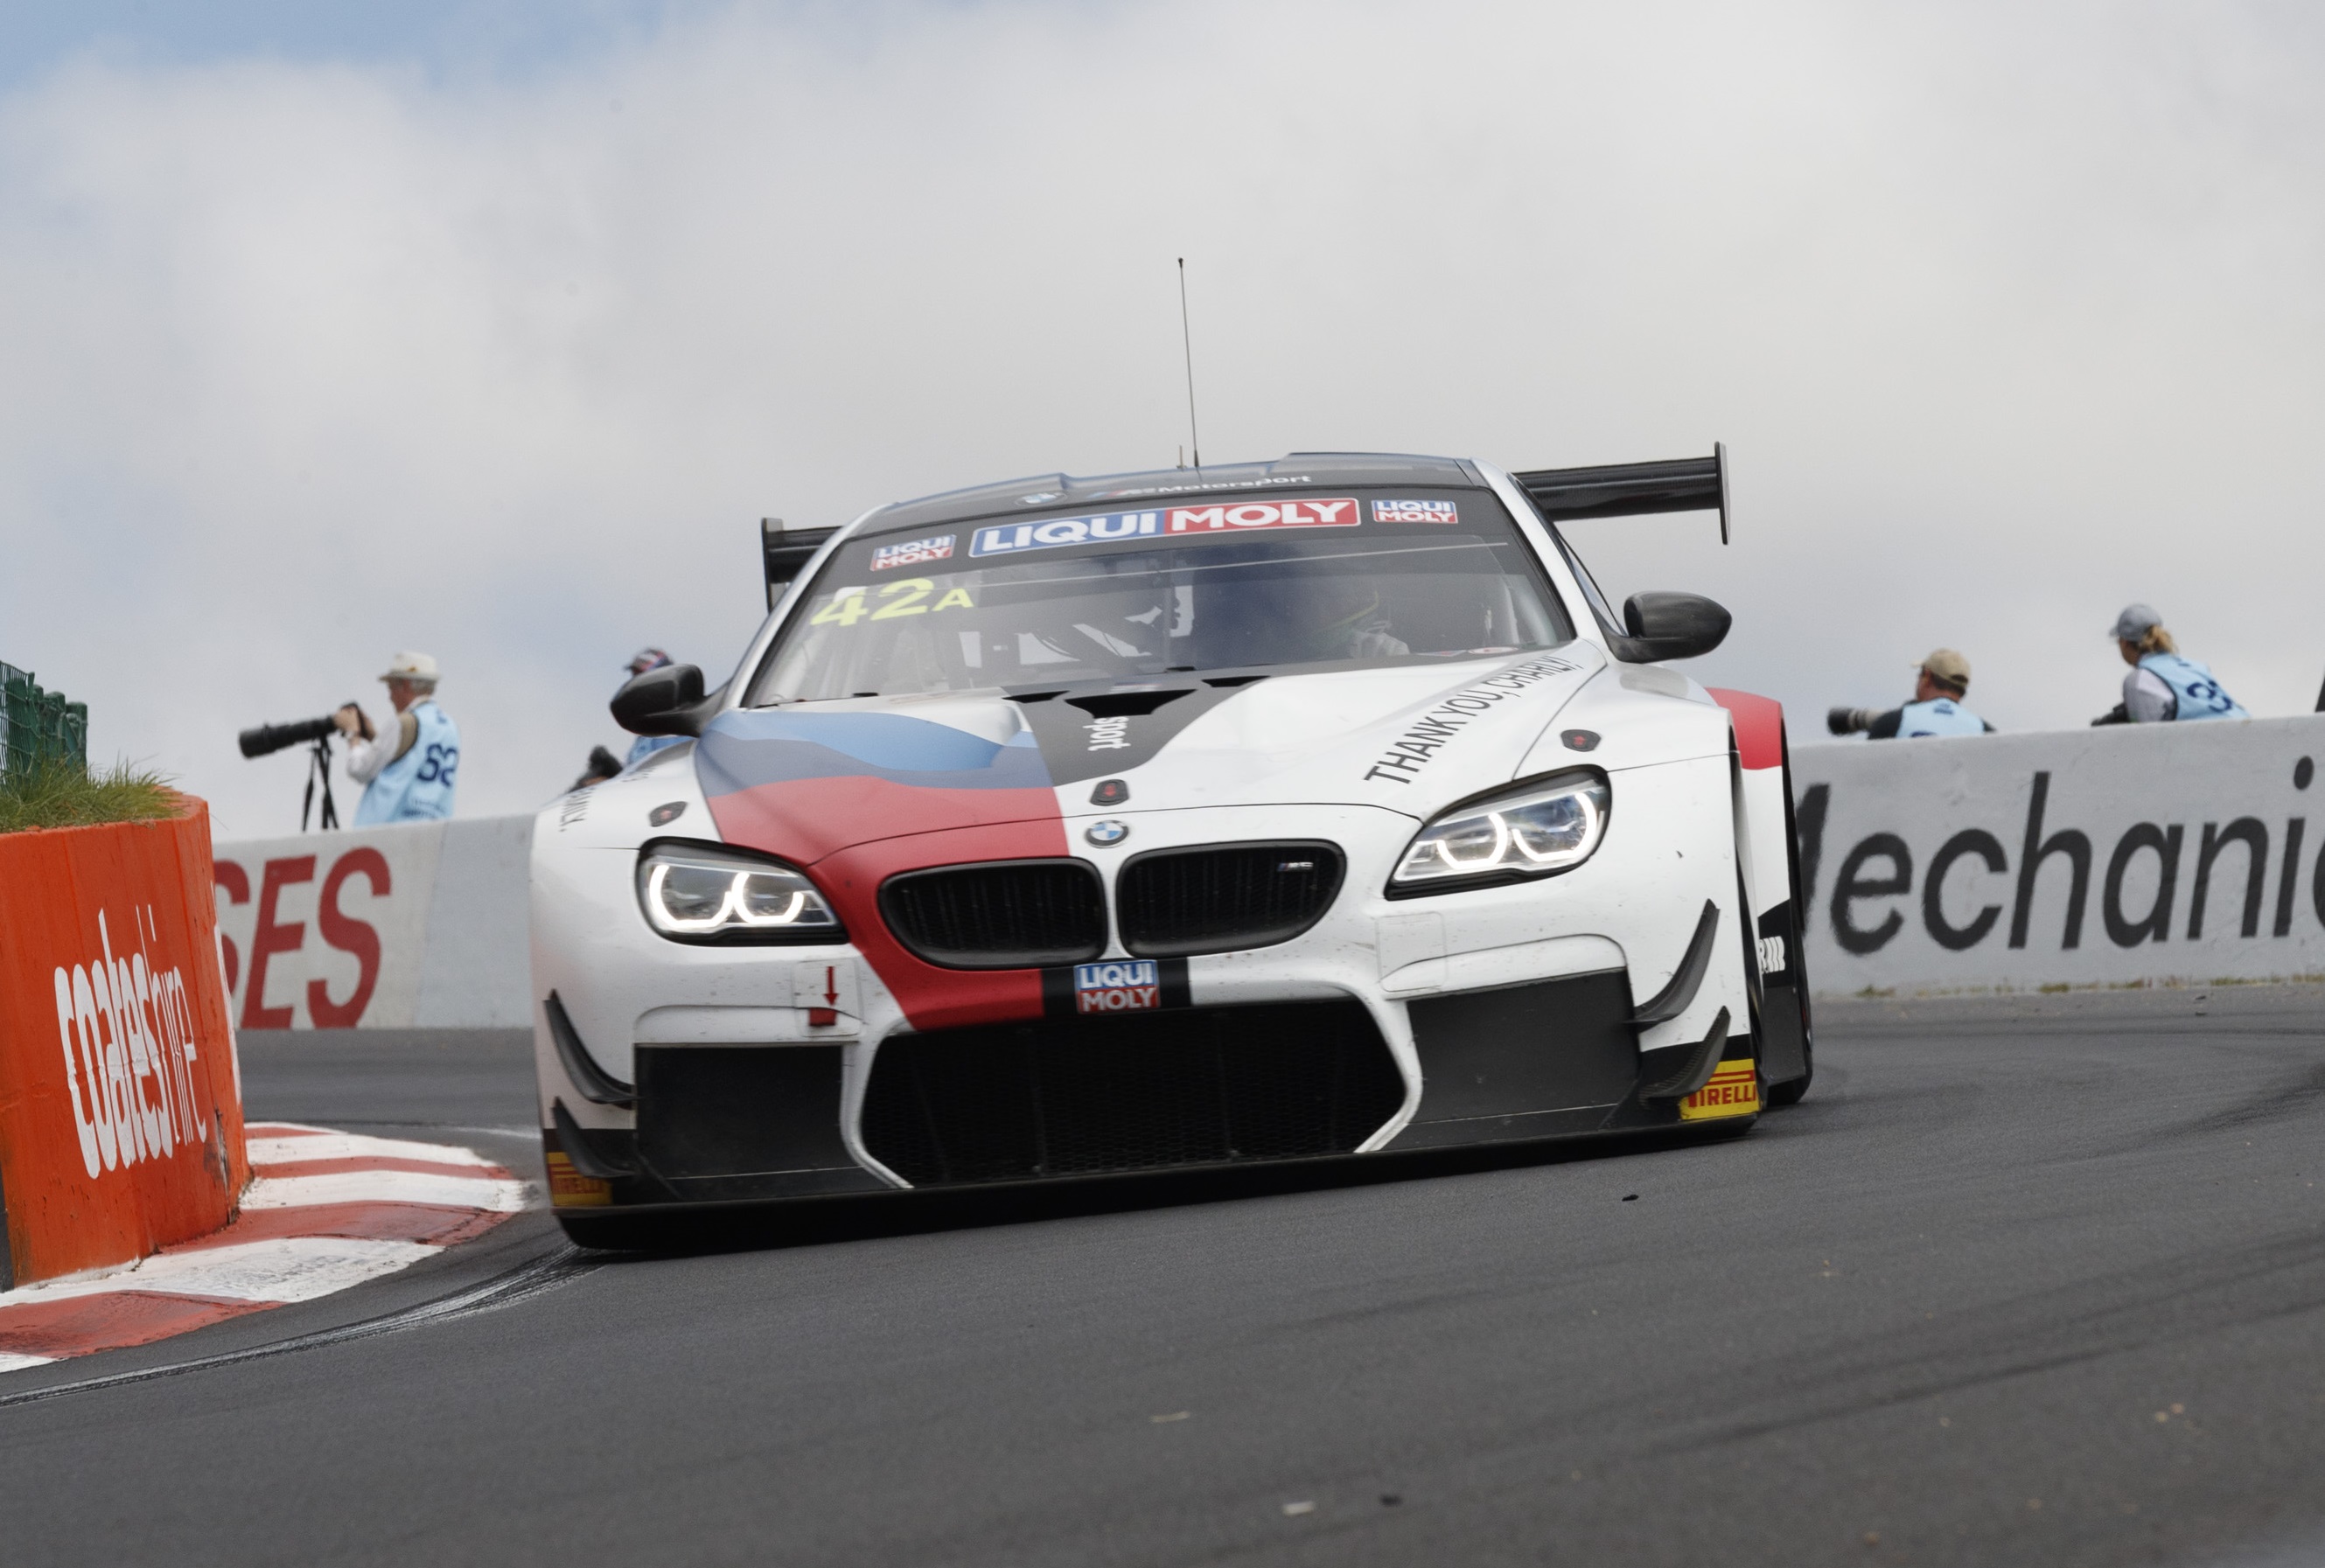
701,893
1533,830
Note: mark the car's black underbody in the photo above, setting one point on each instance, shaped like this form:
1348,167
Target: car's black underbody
1175,1090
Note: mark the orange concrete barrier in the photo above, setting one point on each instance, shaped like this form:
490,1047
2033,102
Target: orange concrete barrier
120,1100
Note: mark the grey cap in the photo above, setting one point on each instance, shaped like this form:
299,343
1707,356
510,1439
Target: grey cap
2136,621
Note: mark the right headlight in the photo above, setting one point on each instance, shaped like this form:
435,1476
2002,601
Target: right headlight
1533,830
701,893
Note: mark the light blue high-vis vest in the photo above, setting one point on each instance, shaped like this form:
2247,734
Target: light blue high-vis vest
645,746
417,787
2200,696
1940,715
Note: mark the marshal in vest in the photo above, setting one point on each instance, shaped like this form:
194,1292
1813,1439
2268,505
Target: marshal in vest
2199,696
1937,716
417,787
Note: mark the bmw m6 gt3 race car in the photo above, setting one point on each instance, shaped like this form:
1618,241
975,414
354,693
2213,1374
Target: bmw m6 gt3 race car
1314,809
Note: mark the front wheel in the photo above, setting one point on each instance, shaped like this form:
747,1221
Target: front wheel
1784,1001
613,1232
1789,1091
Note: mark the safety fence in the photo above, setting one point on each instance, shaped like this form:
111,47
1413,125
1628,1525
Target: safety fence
37,725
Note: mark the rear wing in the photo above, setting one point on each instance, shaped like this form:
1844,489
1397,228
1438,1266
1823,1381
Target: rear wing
1632,489
784,549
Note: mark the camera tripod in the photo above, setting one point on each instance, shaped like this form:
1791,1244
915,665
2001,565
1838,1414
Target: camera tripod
318,772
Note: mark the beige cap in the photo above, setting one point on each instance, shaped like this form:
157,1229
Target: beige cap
413,667
1944,664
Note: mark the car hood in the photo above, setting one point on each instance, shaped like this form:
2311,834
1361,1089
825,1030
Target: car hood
810,780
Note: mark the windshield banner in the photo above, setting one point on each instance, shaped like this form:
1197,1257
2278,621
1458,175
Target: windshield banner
1224,517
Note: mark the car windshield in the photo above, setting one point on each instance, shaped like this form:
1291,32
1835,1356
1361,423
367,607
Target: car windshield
1363,575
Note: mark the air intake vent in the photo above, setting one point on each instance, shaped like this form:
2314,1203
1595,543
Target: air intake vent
1221,898
1208,1086
1002,915
1116,705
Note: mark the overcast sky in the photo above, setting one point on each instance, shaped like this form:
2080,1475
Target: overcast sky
491,331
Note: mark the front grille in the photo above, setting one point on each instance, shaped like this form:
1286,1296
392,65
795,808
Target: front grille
1002,915
1224,897
1073,1097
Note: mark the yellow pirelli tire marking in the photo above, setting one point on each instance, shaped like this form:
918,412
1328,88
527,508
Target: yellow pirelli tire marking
569,1189
1734,1090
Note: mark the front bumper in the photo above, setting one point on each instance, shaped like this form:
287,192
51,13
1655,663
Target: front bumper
1494,1015
1177,1091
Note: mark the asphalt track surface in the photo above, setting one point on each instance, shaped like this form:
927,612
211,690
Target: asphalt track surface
2036,1280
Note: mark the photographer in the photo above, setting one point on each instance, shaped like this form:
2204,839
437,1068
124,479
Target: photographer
2165,685
603,763
645,746
408,771
1936,708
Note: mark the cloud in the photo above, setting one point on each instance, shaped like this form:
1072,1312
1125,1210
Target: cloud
2007,316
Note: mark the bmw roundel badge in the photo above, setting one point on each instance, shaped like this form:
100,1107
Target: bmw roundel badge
1106,831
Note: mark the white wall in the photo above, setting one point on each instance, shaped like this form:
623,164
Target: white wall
441,944
1875,815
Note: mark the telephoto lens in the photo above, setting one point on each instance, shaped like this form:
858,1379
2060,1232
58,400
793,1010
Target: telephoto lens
266,738
1848,721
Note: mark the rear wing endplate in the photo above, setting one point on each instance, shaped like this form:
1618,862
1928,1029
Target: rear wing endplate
784,550
1632,489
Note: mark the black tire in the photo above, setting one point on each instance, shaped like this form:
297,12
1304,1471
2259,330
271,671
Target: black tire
1755,1001
1790,1090
612,1232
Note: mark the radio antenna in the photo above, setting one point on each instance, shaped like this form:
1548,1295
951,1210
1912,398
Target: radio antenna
1187,342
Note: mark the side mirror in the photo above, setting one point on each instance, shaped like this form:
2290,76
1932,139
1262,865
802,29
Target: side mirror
661,702
1670,626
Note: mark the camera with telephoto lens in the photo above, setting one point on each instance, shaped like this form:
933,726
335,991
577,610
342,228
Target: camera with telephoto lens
316,735
270,738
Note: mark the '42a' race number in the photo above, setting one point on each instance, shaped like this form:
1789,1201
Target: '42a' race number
897,600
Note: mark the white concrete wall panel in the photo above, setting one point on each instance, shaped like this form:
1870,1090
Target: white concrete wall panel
477,953
378,927
2165,853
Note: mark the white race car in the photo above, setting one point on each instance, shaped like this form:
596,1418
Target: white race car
1075,828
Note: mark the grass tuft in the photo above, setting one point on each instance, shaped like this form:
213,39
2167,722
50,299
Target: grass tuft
68,795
